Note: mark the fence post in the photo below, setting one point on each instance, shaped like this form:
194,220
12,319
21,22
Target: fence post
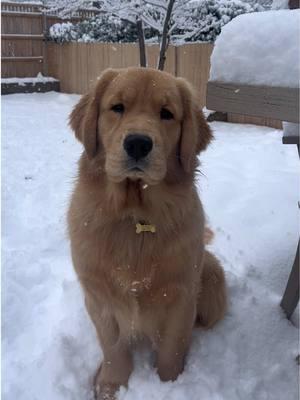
45,60
176,61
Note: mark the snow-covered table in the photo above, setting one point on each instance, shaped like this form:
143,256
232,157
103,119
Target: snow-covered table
255,67
255,71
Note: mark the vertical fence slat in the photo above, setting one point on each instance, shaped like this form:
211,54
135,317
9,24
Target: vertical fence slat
44,44
152,54
82,56
97,61
193,63
114,51
130,55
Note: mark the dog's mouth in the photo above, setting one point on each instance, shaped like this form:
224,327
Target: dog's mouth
135,172
135,169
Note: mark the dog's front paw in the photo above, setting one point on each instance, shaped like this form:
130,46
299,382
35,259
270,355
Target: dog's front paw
170,371
110,377
103,390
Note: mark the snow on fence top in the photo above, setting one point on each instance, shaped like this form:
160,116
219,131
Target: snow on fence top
259,49
22,81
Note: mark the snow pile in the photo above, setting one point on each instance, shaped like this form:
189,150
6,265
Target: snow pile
259,49
22,81
249,187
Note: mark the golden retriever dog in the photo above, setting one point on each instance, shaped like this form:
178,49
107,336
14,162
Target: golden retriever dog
136,223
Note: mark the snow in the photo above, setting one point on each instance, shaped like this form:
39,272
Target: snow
249,186
22,81
259,49
33,2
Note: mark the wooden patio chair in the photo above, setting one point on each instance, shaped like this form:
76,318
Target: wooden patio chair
262,101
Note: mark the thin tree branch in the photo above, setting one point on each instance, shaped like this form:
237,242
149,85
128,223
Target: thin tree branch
156,4
151,23
164,39
172,29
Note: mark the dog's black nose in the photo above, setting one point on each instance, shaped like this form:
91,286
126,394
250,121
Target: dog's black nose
138,146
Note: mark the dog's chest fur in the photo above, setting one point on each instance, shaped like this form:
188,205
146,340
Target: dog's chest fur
135,281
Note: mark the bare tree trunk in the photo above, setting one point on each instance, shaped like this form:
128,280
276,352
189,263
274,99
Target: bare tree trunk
164,40
141,36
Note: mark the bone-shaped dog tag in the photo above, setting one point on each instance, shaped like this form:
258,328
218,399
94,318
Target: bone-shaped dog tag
145,228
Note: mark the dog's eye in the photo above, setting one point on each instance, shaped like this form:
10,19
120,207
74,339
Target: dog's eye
166,114
118,108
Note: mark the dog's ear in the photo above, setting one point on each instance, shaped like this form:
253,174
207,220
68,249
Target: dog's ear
195,132
85,115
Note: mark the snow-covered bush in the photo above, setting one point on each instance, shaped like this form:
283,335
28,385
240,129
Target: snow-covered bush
204,21
191,21
102,28
280,4
106,28
64,32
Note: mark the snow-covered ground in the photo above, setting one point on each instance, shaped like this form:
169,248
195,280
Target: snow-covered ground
250,191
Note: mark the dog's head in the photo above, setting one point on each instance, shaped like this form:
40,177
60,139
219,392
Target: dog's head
142,123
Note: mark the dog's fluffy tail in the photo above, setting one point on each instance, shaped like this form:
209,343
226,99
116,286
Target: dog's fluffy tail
212,301
208,235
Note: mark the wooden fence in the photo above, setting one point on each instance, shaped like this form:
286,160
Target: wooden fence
23,30
77,65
